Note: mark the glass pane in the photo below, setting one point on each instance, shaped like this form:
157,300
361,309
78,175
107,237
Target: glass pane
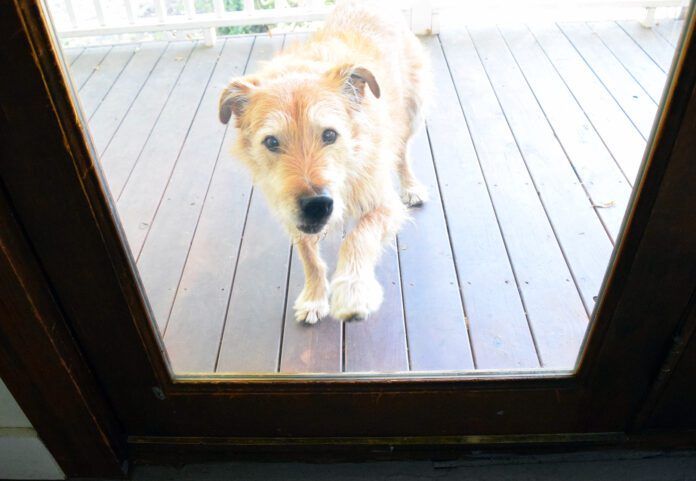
534,134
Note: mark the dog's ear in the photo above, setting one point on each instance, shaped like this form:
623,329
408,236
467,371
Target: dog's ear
235,98
353,80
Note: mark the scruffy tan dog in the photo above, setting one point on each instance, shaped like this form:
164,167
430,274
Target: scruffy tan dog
322,128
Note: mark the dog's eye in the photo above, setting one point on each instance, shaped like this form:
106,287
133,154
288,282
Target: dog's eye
329,136
271,143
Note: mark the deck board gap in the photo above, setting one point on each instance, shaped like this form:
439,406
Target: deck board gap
94,69
630,119
497,219
234,274
582,108
205,198
641,46
118,75
285,305
452,250
403,304
178,156
134,100
560,144
154,125
531,177
622,63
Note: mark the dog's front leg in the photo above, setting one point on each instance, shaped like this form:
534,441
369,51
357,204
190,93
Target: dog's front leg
355,293
313,302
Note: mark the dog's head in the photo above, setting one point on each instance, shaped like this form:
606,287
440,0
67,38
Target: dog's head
297,133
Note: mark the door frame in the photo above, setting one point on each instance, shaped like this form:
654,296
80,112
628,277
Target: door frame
60,233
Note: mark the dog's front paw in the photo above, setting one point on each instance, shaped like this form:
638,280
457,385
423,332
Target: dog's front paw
414,195
310,311
354,298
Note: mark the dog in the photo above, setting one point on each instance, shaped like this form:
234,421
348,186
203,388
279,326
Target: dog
323,128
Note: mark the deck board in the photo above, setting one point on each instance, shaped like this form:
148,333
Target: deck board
670,30
82,68
438,337
143,191
555,310
659,49
202,299
72,54
579,230
123,149
317,348
168,240
123,93
499,328
379,345
618,133
628,93
632,57
606,185
96,87
527,155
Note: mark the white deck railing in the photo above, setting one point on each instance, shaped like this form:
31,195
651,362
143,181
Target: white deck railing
110,17
122,16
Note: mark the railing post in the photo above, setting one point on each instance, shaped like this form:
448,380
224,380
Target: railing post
100,12
422,15
129,11
190,9
161,8
648,20
71,13
209,36
219,6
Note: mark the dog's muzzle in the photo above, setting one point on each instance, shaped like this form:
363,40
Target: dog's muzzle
315,212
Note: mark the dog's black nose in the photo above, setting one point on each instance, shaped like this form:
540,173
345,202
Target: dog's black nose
316,208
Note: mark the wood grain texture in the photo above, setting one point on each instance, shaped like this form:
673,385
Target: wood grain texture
532,245
173,225
86,64
499,331
124,148
143,192
659,49
627,92
378,344
42,365
120,97
619,135
196,323
103,77
435,321
651,78
254,320
581,236
670,30
314,348
605,183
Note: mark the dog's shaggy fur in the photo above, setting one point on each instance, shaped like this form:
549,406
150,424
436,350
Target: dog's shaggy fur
330,119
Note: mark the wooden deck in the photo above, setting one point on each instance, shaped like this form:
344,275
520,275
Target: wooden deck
532,145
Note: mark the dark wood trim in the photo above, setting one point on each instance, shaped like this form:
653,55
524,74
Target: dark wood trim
44,370
672,400
164,450
56,192
652,278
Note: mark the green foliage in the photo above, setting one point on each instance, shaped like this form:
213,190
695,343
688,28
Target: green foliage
235,5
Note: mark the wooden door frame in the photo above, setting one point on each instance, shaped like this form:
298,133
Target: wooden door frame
68,268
